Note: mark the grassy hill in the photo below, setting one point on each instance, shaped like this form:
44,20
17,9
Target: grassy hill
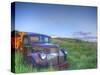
81,54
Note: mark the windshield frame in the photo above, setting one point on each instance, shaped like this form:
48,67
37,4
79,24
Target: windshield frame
41,38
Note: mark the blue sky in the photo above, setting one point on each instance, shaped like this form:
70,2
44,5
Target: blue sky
59,20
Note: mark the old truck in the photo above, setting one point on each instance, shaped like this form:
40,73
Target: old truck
38,50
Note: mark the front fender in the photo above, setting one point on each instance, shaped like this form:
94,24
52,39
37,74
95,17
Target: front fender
65,53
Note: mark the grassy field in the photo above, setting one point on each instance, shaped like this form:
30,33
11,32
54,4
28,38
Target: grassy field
81,55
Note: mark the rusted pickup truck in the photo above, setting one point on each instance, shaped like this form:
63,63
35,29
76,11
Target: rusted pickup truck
38,50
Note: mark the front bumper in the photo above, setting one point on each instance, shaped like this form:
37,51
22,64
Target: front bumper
62,66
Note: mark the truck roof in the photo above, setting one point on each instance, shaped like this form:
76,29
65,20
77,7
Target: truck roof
37,34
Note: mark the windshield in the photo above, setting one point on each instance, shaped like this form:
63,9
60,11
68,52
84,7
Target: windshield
43,39
34,38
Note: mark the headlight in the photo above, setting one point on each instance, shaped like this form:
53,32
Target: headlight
43,55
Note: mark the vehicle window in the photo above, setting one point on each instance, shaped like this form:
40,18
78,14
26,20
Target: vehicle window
26,40
34,38
46,39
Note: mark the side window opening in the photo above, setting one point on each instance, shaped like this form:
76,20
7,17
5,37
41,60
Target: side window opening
46,39
25,41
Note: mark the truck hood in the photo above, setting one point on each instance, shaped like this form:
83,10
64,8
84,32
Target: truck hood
45,44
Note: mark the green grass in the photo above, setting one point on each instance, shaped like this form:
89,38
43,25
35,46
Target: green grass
23,68
81,55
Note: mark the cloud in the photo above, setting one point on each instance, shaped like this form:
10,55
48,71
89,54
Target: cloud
88,36
82,33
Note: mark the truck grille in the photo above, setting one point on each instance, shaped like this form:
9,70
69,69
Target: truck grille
54,56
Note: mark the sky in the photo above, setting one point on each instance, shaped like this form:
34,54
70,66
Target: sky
58,20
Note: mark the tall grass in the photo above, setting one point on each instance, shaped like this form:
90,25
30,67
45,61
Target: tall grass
81,55
24,68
